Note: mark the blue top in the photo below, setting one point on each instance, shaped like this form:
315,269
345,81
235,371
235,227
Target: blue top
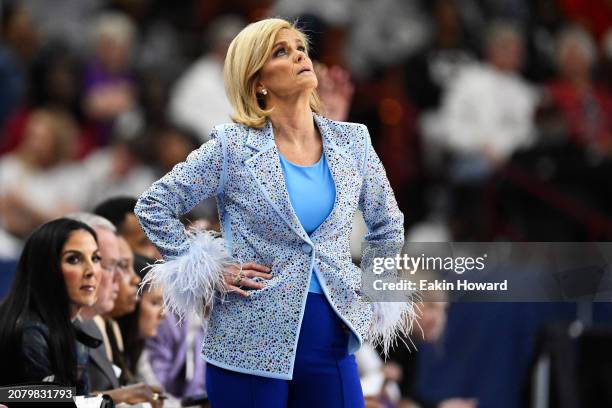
312,193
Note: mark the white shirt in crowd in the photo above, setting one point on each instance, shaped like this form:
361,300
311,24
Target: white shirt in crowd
487,109
47,191
105,175
198,100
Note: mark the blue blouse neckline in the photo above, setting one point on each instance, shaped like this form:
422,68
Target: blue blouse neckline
299,165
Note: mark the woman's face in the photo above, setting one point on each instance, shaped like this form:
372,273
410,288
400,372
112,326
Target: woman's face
289,70
151,312
575,62
80,264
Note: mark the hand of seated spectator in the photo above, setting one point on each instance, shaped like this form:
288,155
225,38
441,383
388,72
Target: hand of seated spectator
372,402
392,371
459,403
135,393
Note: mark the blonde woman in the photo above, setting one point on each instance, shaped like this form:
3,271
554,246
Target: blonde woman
286,313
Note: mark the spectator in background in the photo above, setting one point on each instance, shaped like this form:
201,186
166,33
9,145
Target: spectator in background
383,33
124,304
172,145
65,21
427,76
174,356
141,325
54,83
108,82
198,100
120,211
585,107
488,111
17,48
128,282
379,385
545,22
429,329
38,182
58,274
101,373
428,73
122,168
486,115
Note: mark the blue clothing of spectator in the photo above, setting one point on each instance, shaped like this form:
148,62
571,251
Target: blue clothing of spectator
12,83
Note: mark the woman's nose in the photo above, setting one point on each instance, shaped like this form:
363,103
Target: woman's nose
89,270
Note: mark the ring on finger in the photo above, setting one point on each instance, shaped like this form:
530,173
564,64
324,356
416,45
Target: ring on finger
238,278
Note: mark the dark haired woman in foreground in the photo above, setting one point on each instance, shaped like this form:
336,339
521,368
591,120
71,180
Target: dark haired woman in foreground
57,274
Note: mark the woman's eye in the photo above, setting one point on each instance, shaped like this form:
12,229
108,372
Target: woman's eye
279,52
72,259
301,48
96,259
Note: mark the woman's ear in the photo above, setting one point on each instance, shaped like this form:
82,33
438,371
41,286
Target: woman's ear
260,93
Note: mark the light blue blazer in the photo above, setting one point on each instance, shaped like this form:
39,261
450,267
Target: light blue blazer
240,166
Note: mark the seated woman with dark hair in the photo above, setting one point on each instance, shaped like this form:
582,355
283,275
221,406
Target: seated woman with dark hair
140,325
57,274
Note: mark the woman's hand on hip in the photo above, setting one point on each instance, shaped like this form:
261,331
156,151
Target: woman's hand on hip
238,276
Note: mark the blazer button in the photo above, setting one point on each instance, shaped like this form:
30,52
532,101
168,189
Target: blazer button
306,248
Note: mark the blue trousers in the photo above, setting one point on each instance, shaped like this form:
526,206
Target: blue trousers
324,374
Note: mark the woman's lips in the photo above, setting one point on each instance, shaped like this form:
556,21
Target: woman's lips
88,288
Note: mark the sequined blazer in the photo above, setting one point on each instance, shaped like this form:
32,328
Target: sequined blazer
240,166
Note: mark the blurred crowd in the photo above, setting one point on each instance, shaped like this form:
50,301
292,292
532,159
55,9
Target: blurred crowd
493,119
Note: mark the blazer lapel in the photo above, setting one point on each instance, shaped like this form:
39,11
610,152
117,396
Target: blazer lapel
97,354
264,165
99,358
335,149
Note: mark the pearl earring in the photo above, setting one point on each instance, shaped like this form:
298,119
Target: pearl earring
264,91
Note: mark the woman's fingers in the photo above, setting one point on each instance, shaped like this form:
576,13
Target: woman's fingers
232,288
250,273
249,283
237,277
255,266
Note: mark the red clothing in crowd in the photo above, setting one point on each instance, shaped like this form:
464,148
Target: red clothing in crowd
587,115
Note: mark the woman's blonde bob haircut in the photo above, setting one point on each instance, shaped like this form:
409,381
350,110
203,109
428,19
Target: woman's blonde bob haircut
247,53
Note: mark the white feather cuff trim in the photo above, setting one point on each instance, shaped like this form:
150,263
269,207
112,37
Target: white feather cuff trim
391,320
191,281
